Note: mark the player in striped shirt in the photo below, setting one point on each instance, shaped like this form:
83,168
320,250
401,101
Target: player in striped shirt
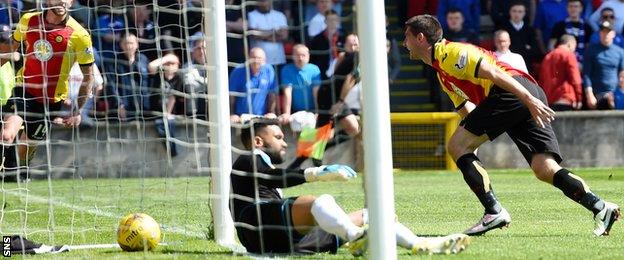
493,98
52,41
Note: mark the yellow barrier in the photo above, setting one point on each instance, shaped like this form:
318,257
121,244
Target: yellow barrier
428,130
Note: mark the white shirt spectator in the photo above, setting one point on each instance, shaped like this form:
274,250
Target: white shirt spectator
273,20
317,25
75,80
513,59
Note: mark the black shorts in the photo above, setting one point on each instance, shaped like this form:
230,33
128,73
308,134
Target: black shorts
31,111
277,233
502,112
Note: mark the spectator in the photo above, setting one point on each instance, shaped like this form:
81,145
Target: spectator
470,9
270,31
108,29
300,81
549,12
165,81
234,24
456,30
499,10
502,42
311,9
10,11
394,58
560,76
572,25
524,39
178,19
603,63
351,45
618,7
139,21
82,13
317,23
325,46
618,94
256,94
331,97
607,14
195,81
127,79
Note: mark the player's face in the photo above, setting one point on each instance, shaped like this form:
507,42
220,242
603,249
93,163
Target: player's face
273,143
59,7
517,13
301,57
412,44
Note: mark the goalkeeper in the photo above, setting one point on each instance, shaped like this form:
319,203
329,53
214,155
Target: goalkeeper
267,223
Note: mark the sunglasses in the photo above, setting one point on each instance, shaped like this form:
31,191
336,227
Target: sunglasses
608,16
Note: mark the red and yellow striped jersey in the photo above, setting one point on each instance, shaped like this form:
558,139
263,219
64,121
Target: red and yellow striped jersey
457,65
50,51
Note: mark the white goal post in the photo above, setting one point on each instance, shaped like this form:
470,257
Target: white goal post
376,131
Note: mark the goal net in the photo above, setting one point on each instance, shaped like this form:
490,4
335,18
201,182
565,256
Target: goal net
155,135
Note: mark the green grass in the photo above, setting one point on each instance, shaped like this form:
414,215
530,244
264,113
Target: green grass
545,223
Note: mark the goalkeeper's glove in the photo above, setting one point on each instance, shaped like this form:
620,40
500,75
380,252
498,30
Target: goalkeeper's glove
334,172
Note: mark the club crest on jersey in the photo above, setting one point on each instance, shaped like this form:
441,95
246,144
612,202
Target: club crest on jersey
58,39
43,50
89,50
462,60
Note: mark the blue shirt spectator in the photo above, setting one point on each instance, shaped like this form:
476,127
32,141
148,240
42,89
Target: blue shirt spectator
548,13
107,33
10,13
127,80
471,9
260,90
618,40
618,98
603,63
302,81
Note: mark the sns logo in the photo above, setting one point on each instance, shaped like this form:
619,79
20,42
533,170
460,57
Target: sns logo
462,60
6,246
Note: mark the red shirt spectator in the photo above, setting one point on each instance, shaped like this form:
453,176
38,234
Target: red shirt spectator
560,76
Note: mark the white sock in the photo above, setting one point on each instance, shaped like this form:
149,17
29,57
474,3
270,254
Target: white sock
405,238
331,218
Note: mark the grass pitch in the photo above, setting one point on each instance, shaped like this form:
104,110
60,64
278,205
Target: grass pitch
545,224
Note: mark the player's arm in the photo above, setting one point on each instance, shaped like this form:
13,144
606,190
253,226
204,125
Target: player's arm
284,178
541,113
85,87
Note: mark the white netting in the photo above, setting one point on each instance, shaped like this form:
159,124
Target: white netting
144,141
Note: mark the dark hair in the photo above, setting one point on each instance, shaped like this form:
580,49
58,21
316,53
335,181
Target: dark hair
426,24
607,9
580,1
517,2
454,9
258,125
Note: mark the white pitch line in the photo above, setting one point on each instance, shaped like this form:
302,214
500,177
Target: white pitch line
42,200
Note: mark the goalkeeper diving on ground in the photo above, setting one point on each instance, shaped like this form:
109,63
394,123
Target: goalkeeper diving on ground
268,223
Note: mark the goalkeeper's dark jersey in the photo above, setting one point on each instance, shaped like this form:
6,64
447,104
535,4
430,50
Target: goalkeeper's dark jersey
269,179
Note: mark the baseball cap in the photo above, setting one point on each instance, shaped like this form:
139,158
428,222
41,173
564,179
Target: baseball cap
5,33
606,25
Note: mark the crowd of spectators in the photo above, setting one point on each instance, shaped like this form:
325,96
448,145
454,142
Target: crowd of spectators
538,31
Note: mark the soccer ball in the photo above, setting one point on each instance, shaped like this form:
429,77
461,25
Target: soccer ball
138,232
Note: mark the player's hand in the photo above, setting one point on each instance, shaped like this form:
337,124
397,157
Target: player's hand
541,113
72,121
334,172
